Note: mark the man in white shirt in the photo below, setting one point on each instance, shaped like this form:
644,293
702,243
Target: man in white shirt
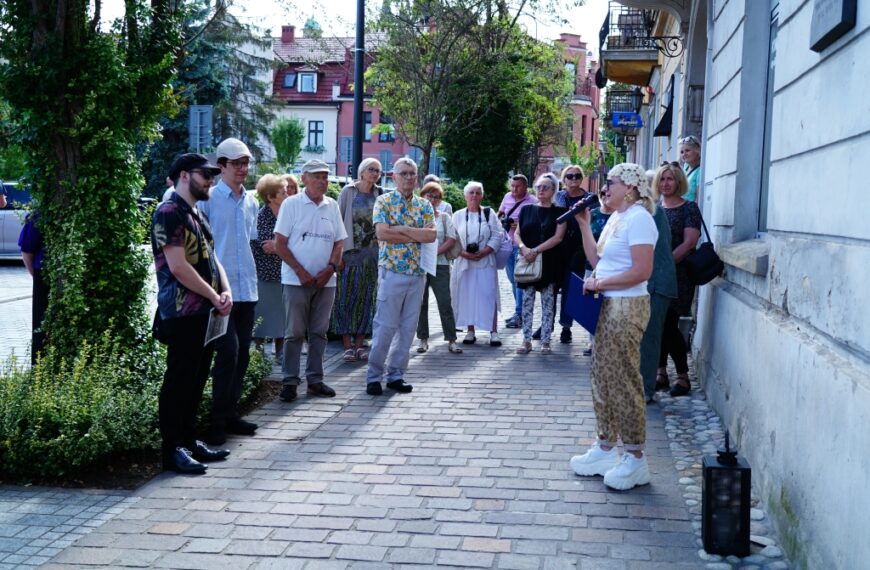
309,237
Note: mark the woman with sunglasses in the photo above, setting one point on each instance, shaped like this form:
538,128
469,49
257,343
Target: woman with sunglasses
690,154
623,261
539,234
354,309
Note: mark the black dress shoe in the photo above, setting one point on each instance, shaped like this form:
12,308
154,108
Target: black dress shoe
288,393
565,337
239,426
215,435
374,389
204,454
321,389
400,386
182,462
537,334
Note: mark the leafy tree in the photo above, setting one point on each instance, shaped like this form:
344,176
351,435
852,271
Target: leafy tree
13,159
85,99
526,98
287,137
218,68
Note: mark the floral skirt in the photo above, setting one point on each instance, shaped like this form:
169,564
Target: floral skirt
355,295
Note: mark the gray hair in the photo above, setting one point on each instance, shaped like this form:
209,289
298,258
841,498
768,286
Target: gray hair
472,185
549,177
366,162
404,160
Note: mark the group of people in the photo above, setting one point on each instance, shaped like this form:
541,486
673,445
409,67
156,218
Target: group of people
361,266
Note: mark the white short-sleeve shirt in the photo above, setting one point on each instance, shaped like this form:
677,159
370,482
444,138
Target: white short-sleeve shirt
311,230
635,226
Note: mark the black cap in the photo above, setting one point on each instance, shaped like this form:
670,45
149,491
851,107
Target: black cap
191,161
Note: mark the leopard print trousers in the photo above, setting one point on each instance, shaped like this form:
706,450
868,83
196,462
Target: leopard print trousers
617,386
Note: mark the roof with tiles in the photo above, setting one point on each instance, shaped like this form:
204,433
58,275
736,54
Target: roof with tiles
320,50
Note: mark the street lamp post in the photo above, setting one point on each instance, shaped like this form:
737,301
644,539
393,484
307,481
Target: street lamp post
358,90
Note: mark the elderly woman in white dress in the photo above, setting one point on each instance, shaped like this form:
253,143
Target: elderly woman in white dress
474,281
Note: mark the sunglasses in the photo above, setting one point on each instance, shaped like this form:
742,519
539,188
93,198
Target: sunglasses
573,176
542,187
671,163
204,173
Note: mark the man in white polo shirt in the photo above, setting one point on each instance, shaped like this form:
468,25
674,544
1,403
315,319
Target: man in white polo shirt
310,235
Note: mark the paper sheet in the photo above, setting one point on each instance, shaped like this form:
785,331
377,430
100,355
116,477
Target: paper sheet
429,255
217,326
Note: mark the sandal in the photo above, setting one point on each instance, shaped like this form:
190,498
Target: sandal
451,347
350,355
362,353
545,348
662,382
525,348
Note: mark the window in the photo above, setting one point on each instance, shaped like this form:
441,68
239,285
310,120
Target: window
768,119
290,80
390,136
367,127
315,134
386,158
308,83
346,149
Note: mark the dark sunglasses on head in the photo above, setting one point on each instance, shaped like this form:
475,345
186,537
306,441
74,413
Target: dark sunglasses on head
671,163
573,176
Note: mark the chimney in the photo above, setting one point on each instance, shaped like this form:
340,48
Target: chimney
287,33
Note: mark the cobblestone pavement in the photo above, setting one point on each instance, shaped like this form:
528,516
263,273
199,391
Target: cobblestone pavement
469,470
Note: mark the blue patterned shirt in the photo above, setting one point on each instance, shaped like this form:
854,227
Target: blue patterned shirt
394,210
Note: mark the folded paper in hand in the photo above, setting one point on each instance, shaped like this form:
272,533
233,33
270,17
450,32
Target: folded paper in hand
217,326
583,308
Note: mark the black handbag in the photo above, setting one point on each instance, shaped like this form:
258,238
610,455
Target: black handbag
703,265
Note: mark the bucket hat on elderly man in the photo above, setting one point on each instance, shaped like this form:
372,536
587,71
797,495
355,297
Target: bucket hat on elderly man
315,165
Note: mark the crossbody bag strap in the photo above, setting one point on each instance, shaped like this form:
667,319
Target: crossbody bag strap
703,225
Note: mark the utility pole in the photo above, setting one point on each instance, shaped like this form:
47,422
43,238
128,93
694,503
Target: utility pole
358,90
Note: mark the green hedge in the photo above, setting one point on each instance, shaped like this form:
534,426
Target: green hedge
64,415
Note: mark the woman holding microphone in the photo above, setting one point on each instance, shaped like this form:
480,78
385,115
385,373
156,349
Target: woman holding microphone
623,260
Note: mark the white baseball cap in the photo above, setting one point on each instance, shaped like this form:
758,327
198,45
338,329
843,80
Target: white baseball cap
232,149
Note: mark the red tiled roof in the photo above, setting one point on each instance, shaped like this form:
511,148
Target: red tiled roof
320,50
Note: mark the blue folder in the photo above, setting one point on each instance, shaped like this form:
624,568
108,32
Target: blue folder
583,308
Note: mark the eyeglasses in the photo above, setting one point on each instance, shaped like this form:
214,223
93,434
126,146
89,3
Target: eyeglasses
207,174
241,163
408,174
573,176
431,197
544,187
373,170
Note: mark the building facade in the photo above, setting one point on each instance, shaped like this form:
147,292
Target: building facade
782,340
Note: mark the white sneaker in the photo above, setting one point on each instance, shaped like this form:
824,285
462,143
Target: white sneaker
494,339
630,472
596,461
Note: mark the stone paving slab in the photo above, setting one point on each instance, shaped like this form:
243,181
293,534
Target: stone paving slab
469,471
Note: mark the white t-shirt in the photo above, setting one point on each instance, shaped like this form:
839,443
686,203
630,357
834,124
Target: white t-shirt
311,230
635,226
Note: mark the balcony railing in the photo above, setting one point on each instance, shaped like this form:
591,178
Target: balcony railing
632,29
585,88
623,102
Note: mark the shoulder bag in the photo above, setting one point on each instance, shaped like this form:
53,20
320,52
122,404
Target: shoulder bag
456,249
703,265
530,271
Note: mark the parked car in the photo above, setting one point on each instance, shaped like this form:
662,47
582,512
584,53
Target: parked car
12,219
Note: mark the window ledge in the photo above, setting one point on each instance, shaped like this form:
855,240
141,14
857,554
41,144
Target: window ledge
751,256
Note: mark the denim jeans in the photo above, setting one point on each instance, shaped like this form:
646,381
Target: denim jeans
518,293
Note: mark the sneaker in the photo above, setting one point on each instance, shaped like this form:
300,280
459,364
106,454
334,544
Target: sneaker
565,337
494,339
469,338
630,472
514,322
596,461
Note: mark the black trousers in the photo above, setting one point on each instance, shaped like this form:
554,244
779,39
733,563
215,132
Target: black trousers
673,342
232,355
38,308
187,366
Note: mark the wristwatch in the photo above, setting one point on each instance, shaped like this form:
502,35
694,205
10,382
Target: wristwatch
334,266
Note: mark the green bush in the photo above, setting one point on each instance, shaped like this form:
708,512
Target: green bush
65,414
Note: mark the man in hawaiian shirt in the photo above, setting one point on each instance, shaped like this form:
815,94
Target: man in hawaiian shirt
402,221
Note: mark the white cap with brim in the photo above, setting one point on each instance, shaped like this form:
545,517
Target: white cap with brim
232,149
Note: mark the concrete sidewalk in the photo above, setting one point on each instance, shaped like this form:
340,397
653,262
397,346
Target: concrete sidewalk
469,470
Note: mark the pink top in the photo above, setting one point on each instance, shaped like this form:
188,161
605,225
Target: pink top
508,203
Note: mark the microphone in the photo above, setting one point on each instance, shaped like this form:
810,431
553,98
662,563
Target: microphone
590,201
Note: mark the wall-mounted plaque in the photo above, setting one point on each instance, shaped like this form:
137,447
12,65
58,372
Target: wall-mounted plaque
831,19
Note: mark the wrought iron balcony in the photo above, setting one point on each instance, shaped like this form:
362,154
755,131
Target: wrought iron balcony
629,49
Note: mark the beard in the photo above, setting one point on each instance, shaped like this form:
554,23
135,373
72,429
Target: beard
197,190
